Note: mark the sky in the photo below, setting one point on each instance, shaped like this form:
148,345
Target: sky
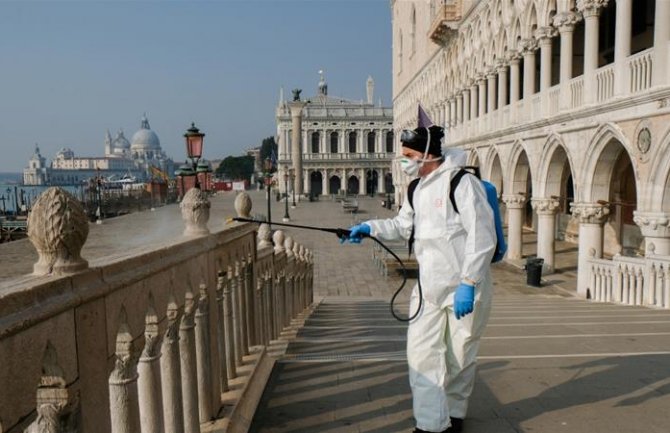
70,70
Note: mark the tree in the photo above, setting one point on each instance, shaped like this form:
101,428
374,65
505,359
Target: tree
236,168
270,150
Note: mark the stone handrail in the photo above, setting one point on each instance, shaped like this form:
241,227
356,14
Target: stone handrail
640,68
605,83
577,92
620,280
147,341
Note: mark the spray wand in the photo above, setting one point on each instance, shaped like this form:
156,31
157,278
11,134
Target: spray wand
343,234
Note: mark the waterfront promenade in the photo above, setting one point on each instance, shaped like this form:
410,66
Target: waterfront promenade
549,362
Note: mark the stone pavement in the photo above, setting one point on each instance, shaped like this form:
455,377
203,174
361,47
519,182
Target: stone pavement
548,362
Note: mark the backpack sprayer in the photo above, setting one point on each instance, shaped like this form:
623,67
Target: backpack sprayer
343,234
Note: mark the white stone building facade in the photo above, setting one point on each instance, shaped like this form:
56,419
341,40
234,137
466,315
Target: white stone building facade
346,146
565,105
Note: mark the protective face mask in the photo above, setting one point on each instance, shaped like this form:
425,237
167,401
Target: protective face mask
409,166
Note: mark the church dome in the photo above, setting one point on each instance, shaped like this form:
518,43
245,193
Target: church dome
145,138
120,142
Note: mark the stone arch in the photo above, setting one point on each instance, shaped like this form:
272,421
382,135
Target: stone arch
547,10
658,184
556,175
521,177
530,22
600,158
353,185
473,158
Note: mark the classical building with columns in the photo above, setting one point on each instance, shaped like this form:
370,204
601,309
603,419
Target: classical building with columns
346,146
565,105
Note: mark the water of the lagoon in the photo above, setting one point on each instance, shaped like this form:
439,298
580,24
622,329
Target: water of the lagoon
27,194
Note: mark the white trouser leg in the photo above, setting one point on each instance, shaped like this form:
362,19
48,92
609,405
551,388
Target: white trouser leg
426,356
463,338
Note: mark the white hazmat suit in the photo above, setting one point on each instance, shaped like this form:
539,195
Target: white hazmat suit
450,247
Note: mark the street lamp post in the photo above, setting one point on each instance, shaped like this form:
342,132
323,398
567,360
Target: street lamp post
194,143
99,194
293,189
4,209
267,166
287,217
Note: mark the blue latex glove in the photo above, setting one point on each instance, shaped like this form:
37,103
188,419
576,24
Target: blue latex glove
464,300
357,233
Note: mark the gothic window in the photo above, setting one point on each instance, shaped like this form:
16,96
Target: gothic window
352,142
389,142
333,142
371,142
315,142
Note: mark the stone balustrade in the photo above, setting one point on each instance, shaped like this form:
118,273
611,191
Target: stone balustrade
143,342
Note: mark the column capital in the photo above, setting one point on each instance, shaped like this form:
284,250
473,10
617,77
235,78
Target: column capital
566,21
296,108
653,224
514,57
545,34
480,79
514,201
528,46
501,67
491,74
590,213
591,8
545,206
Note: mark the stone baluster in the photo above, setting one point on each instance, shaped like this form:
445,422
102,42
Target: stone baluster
237,325
189,374
303,289
290,266
173,410
591,218
203,354
123,399
228,326
261,310
243,205
269,305
240,294
58,228
639,287
221,330
298,286
249,295
264,237
149,370
195,212
515,207
55,412
280,257
666,287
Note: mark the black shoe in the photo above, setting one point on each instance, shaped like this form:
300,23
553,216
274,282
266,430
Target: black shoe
456,425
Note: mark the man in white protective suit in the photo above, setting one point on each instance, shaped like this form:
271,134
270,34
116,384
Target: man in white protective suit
454,252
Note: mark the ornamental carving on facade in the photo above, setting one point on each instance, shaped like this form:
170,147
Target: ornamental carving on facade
516,201
545,33
58,228
545,205
591,7
590,213
527,45
195,212
644,140
566,21
653,224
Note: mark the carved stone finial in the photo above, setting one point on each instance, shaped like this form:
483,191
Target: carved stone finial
195,212
288,244
296,250
243,205
278,239
58,229
302,252
264,236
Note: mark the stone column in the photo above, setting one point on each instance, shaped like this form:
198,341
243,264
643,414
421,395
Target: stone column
204,354
173,411
655,228
452,111
492,89
622,42
189,374
474,100
591,11
296,143
565,22
381,185
447,114
546,228
515,207
544,36
502,84
307,185
661,71
528,50
466,105
481,82
149,371
362,182
459,108
591,217
123,397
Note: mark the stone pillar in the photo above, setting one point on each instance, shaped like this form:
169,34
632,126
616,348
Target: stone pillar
493,91
447,114
173,411
381,184
326,183
528,50
565,22
591,217
459,108
307,185
362,182
661,70
502,85
546,229
655,228
123,397
229,338
544,36
515,207
466,105
481,82
296,143
622,42
474,100
452,111
591,11
515,93
204,354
